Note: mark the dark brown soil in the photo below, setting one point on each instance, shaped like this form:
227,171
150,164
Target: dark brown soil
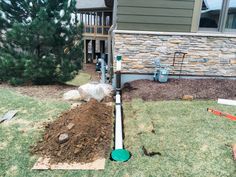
177,88
90,132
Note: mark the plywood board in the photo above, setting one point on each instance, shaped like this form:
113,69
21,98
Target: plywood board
43,164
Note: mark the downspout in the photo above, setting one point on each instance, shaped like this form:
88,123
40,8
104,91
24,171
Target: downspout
119,154
110,46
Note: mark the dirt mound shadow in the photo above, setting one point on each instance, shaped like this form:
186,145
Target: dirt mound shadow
80,135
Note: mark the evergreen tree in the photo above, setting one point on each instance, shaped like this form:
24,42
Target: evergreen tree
42,38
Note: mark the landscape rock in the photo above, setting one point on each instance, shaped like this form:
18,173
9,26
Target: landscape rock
64,137
75,105
188,97
72,95
107,88
95,90
70,126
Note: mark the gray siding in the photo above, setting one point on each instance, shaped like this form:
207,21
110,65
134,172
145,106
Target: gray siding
155,15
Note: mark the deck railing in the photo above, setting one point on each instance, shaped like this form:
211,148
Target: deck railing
96,30
96,23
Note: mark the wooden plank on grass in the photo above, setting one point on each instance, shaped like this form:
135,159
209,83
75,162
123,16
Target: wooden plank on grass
43,164
227,102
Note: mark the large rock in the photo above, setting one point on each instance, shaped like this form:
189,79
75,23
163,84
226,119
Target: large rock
63,138
95,90
72,95
107,88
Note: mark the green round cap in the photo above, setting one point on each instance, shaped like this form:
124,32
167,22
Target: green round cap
120,155
119,58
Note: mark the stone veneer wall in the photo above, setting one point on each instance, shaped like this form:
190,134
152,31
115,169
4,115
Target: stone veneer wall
207,56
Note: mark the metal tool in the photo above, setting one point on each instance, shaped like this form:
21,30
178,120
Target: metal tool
181,62
8,116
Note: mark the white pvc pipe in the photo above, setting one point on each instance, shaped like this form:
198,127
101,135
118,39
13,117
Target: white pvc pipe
118,98
227,102
118,65
103,69
118,124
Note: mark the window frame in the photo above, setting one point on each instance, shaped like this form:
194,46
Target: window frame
222,20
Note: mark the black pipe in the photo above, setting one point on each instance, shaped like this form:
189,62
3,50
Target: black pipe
118,81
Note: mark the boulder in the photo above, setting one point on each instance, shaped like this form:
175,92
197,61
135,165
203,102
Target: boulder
107,88
72,95
95,90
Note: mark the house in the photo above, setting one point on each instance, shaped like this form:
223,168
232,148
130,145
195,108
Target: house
142,31
96,16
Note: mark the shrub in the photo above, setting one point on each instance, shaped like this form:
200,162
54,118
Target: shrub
11,68
26,69
40,42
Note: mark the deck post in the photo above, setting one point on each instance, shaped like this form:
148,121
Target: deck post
96,23
102,23
102,46
93,50
86,51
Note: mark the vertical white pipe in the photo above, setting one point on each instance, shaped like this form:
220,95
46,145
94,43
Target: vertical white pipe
118,98
102,23
118,65
118,124
103,70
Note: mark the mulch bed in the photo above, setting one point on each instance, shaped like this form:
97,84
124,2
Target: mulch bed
89,130
44,92
177,88
50,92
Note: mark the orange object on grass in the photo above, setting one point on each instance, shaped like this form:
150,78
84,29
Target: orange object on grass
219,113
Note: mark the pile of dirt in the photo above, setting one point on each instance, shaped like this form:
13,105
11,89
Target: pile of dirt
177,88
80,135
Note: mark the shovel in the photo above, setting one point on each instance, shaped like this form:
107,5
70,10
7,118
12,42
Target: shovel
8,116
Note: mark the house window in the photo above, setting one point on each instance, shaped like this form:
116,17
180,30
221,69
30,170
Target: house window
210,14
231,16
218,15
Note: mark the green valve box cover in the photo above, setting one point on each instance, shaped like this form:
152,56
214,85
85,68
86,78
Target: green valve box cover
120,155
119,58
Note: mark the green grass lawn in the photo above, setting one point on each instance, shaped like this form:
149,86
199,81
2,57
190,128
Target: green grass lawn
81,79
191,140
